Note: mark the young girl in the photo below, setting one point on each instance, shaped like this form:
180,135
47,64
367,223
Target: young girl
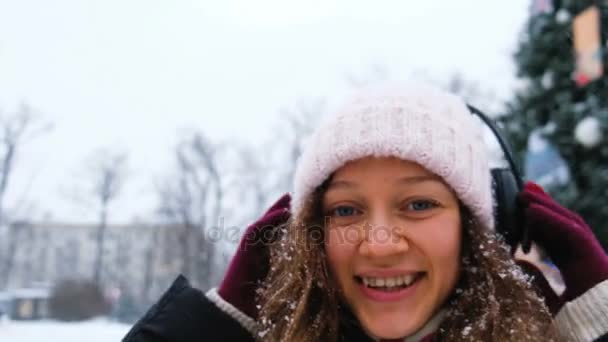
392,237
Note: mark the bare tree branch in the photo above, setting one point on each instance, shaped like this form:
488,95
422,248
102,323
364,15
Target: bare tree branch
16,129
107,175
192,197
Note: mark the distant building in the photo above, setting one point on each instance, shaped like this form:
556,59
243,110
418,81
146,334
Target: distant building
28,304
138,258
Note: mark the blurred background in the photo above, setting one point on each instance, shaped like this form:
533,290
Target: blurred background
139,138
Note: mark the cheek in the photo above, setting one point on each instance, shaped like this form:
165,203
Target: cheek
340,252
443,246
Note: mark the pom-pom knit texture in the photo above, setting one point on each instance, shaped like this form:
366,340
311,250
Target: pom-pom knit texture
417,123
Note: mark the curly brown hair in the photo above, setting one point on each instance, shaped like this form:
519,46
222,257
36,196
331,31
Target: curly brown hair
493,300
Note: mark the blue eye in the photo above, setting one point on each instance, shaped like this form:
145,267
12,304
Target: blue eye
344,211
421,205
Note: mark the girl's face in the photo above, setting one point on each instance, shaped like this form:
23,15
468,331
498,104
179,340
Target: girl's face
393,236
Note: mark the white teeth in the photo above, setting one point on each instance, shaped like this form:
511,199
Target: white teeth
406,280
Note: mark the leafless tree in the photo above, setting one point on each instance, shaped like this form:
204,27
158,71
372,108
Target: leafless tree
252,177
16,130
262,173
108,171
192,199
149,264
298,123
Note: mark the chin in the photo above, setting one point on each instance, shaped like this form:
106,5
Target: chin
389,332
389,328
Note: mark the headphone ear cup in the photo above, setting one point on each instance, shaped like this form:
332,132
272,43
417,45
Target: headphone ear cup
506,213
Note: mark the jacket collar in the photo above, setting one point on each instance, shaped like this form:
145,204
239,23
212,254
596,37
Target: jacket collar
429,328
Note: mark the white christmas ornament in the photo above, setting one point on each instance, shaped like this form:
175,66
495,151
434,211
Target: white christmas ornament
547,80
588,132
562,16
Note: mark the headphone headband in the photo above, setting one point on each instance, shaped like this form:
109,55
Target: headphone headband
518,180
503,144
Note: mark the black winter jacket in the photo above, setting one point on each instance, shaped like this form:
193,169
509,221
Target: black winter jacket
185,314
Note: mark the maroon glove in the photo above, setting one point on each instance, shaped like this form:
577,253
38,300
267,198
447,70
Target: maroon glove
250,264
568,241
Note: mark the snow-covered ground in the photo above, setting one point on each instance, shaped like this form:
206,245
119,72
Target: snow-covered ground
97,330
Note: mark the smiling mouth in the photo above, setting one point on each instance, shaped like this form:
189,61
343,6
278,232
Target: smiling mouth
390,284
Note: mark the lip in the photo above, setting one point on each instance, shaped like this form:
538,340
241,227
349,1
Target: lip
393,296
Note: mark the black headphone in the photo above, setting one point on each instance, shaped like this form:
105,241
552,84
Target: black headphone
507,184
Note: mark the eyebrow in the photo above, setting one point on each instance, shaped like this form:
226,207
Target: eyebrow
402,180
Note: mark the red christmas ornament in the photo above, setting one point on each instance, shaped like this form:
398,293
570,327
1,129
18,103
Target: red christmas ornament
581,79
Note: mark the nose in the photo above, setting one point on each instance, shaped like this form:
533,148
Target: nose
383,237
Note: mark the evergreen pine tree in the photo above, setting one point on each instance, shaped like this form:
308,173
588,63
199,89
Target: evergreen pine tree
551,99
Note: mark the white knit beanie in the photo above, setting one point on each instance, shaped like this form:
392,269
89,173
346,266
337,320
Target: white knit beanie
414,122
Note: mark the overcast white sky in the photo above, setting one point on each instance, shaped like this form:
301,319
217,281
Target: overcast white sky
131,73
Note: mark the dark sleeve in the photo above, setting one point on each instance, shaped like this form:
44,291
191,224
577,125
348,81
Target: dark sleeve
184,314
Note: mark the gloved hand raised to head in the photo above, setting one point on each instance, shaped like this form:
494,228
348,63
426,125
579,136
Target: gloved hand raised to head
568,241
250,263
